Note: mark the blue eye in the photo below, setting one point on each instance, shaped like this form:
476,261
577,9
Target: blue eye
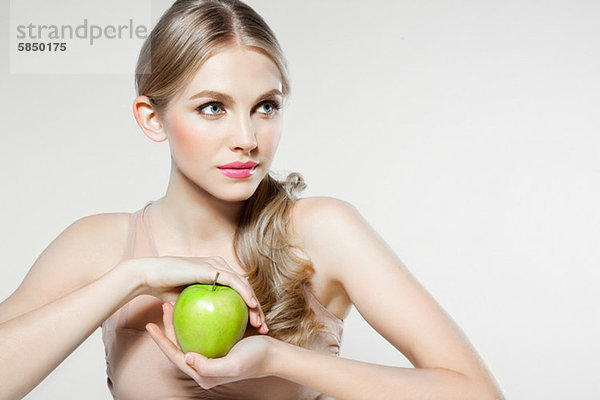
211,107
215,108
272,106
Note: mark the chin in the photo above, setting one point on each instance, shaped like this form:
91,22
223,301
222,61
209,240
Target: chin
237,194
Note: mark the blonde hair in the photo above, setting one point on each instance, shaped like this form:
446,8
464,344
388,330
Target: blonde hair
186,35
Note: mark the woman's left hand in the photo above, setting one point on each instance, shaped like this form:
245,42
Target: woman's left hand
248,358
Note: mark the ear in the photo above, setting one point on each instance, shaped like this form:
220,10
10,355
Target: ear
148,119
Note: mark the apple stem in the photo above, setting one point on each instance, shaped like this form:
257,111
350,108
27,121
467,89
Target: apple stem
215,281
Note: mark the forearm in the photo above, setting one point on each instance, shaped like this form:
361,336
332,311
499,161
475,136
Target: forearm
346,379
33,344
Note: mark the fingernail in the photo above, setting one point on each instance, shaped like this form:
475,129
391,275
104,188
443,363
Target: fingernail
164,306
254,302
189,359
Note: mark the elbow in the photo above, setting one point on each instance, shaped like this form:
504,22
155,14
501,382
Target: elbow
495,394
486,390
482,387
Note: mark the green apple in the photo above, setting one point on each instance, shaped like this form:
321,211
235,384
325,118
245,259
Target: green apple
209,319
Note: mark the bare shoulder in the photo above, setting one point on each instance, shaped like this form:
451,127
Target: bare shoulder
85,250
104,236
314,222
88,247
314,219
311,214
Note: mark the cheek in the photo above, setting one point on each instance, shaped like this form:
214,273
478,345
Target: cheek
275,142
186,139
270,135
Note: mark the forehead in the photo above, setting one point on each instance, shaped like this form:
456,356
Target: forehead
236,71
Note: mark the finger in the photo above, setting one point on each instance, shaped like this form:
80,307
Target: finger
264,328
222,367
168,322
235,282
168,348
247,293
242,286
256,315
257,320
263,320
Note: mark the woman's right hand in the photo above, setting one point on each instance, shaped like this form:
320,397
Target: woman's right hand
165,277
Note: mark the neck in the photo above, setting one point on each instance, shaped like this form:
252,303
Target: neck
189,220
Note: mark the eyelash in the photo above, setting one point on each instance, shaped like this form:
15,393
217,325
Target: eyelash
276,106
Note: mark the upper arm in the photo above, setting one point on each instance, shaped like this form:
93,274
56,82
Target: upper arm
382,289
82,252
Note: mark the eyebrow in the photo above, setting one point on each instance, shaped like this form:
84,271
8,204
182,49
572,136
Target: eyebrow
227,98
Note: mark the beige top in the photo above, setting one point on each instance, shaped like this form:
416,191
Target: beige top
136,368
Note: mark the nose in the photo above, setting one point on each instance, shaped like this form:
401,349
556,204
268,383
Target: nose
244,136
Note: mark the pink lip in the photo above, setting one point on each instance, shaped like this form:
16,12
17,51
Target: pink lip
237,172
237,164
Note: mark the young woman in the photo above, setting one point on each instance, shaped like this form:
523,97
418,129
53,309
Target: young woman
212,80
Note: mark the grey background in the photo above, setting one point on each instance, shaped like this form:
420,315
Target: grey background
472,131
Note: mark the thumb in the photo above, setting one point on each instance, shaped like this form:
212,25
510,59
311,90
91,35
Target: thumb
210,366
